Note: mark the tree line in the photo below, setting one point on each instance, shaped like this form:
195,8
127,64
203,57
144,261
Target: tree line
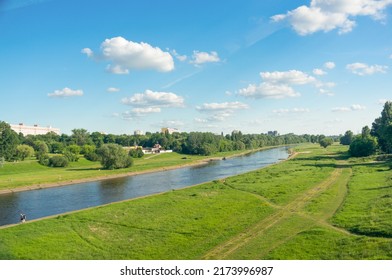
58,150
374,139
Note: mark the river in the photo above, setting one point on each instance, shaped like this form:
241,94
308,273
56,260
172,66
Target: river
52,201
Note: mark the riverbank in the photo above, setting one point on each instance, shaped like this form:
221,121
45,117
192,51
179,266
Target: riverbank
297,209
169,164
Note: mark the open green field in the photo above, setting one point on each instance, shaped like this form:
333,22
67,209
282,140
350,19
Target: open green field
317,205
30,172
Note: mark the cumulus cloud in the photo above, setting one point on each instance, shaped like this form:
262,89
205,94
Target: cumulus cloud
154,99
124,55
319,72
220,111
329,65
88,52
363,69
199,58
278,85
266,90
327,15
291,77
354,107
112,89
66,92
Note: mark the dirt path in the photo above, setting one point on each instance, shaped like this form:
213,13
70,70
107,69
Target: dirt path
227,248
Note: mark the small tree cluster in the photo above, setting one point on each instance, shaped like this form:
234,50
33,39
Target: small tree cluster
113,156
136,153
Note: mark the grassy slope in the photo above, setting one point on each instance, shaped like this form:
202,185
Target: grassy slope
280,212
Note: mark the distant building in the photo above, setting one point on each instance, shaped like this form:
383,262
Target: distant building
33,130
157,149
138,132
273,133
169,130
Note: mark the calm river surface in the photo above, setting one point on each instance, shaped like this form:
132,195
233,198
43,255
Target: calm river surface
46,202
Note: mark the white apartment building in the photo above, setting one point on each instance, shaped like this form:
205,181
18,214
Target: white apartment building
33,129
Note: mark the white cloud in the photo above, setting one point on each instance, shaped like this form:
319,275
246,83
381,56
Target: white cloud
319,72
204,57
267,90
88,52
222,106
154,99
143,111
329,65
327,15
66,92
357,107
341,109
363,69
117,69
112,89
277,84
220,111
179,56
291,77
354,107
293,110
126,55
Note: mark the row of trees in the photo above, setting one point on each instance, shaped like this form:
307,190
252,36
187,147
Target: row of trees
379,137
94,146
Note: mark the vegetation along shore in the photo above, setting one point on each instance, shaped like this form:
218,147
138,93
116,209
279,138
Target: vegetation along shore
329,201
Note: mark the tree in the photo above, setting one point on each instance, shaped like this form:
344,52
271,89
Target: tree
41,150
113,156
9,140
80,137
382,128
136,153
347,138
23,151
363,146
58,161
326,141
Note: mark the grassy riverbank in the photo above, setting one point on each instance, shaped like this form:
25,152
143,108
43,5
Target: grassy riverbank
318,205
30,173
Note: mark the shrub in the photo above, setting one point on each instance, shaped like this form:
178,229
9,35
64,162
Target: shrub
92,156
136,153
58,161
363,147
113,156
43,159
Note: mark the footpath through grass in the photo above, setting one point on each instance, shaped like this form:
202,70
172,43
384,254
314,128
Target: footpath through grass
318,205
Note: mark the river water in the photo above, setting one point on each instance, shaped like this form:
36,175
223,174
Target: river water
51,201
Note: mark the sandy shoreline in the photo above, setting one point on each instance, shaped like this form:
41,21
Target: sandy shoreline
127,174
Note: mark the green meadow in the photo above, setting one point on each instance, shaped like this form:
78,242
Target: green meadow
320,204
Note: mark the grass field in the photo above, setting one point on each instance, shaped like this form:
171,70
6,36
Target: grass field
318,205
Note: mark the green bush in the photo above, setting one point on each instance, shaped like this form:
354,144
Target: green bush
58,161
136,153
92,156
113,156
363,146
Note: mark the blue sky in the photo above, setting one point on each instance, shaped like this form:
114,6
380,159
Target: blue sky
318,67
